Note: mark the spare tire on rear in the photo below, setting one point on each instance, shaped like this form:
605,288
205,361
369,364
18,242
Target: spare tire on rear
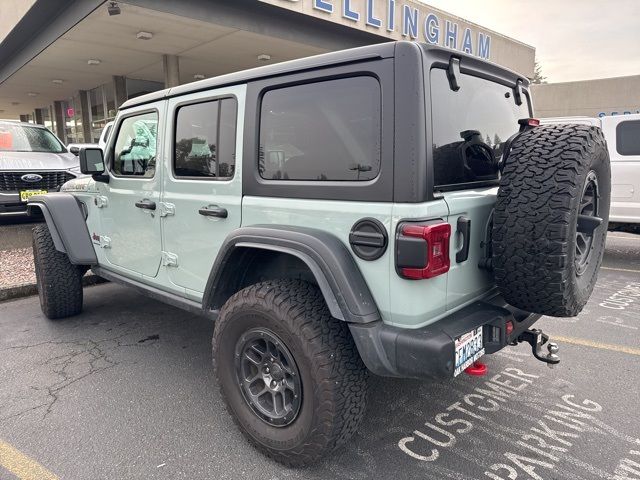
550,219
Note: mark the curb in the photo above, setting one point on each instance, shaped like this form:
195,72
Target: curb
28,289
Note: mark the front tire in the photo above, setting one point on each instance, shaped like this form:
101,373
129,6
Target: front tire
289,373
59,281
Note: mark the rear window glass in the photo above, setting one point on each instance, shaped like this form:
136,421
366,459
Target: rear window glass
470,127
321,131
628,137
19,138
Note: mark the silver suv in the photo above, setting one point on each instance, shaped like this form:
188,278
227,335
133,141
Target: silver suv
33,161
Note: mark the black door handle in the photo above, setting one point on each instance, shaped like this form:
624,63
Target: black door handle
213,211
464,227
146,204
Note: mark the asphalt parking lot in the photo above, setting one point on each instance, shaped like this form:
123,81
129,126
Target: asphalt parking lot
126,390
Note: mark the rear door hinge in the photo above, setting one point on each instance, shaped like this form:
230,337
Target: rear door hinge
101,201
169,259
167,209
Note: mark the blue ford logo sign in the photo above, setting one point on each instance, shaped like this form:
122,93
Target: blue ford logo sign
31,177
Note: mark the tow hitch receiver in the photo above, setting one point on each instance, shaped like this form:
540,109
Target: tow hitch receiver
537,339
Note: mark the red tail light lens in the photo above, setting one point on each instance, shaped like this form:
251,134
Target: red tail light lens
423,250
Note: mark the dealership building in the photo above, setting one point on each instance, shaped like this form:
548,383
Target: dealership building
69,64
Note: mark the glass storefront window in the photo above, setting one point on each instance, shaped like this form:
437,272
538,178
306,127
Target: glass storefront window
136,87
110,99
98,112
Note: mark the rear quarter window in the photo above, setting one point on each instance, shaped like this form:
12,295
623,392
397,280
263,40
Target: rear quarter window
469,128
324,131
628,137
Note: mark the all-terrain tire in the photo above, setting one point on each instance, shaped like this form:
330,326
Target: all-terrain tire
59,281
332,375
543,189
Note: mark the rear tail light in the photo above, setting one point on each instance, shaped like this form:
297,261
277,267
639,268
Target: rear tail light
422,251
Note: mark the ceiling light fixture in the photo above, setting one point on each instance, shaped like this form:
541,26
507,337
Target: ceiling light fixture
263,57
32,94
15,103
144,35
57,81
113,9
93,61
198,76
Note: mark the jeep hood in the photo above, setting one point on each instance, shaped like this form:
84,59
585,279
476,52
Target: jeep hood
12,161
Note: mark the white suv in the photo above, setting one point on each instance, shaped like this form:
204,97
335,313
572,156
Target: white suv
622,133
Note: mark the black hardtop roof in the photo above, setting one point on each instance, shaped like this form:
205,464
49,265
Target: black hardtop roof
380,50
369,52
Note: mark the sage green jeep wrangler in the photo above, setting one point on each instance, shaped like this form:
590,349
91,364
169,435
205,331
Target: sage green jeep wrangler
392,208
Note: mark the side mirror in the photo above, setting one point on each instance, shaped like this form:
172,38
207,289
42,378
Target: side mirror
75,150
91,161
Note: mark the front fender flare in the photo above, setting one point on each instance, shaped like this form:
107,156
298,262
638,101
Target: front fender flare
334,268
66,222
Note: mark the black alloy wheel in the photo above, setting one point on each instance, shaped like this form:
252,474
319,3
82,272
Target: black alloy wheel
268,377
588,221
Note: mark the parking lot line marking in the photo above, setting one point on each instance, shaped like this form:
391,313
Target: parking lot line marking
594,344
620,269
22,466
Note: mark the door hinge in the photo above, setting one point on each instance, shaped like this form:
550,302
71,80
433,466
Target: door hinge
105,242
167,209
101,201
169,259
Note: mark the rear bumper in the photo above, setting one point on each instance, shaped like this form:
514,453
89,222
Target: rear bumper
429,352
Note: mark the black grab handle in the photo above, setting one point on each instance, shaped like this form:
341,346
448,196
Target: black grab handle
146,204
213,211
464,227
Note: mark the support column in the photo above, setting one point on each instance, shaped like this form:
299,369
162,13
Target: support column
39,118
86,117
120,89
24,118
58,112
171,69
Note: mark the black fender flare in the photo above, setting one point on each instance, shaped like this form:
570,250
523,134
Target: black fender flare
66,221
333,266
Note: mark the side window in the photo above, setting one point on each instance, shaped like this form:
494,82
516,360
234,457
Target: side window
328,130
135,150
628,137
470,127
205,140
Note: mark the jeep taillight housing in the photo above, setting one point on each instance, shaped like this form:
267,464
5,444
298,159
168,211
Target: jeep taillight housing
422,250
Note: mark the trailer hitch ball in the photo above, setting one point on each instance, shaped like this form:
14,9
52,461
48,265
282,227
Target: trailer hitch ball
537,339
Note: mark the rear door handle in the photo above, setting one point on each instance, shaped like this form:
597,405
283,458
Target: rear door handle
464,227
213,211
146,204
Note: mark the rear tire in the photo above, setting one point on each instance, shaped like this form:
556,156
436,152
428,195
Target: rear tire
325,377
59,281
542,261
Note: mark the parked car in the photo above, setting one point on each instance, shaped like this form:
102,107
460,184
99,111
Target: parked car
33,161
622,133
104,135
389,209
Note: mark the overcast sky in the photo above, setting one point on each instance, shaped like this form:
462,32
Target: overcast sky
574,39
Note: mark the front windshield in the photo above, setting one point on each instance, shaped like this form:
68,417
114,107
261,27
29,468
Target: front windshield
21,138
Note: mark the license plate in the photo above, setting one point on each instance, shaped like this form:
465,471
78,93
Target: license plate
25,194
469,348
